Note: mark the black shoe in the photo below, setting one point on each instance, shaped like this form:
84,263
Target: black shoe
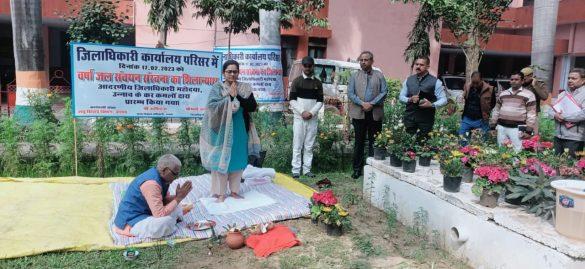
295,175
309,174
355,175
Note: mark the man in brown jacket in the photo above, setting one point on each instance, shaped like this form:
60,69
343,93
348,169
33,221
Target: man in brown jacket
480,99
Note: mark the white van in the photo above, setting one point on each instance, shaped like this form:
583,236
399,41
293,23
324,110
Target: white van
335,77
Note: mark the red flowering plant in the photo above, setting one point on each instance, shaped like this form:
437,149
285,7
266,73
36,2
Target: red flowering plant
581,164
572,169
579,167
534,144
490,178
324,206
409,156
326,198
531,166
471,155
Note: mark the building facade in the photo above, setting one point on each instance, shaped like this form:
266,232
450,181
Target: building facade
379,26
55,42
509,48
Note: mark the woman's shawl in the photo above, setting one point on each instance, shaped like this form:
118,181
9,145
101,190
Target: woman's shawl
216,137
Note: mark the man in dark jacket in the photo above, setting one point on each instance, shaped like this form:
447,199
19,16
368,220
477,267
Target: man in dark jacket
422,93
480,99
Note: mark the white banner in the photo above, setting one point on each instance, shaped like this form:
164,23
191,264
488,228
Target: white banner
125,81
261,67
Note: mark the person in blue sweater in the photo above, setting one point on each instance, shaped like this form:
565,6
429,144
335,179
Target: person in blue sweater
147,209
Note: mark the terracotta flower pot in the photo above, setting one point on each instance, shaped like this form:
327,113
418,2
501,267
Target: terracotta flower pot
395,161
424,161
489,200
409,166
334,230
234,240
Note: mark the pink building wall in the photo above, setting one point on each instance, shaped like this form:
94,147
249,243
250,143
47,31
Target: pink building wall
355,27
578,43
193,34
381,27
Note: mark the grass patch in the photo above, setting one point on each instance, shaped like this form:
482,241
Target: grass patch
360,264
98,259
292,262
364,244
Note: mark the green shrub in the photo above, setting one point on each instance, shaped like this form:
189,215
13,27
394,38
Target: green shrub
329,147
65,137
133,157
10,160
41,134
102,132
278,146
546,128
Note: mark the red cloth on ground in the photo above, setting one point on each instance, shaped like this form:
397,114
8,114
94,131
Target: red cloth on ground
278,238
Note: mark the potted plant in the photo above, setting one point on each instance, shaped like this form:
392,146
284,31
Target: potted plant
336,218
234,238
451,169
381,142
425,154
580,165
409,161
535,192
490,184
316,206
535,145
444,144
395,146
395,152
330,213
470,159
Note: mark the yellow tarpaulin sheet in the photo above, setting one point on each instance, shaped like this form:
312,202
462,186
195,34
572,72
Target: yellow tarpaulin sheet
40,215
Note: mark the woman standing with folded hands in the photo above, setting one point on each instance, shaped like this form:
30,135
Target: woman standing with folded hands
227,134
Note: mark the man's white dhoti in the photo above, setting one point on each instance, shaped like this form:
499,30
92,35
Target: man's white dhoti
152,227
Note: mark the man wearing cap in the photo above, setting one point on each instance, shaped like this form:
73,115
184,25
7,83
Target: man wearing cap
306,99
536,86
366,92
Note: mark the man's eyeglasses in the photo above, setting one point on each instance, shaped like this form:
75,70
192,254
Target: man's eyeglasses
365,59
232,71
173,172
307,65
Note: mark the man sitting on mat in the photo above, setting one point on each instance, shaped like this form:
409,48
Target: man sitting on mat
143,212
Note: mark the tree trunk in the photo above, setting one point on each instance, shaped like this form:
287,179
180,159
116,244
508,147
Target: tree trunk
270,35
29,56
543,39
472,55
270,28
162,38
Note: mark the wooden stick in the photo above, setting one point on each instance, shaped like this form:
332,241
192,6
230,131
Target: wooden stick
75,143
